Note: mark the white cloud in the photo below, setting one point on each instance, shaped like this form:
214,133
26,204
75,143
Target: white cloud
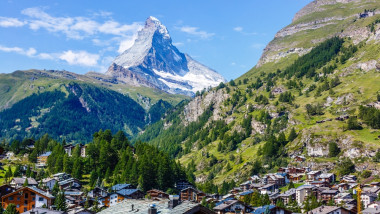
82,58
10,22
77,27
27,52
238,29
233,63
196,32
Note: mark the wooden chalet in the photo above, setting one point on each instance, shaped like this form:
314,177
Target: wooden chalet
27,198
155,193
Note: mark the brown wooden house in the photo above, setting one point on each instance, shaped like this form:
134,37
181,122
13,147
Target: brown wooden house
192,194
27,198
155,193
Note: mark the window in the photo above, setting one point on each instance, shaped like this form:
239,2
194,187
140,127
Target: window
26,202
11,198
18,198
33,206
18,206
25,209
40,199
33,193
34,198
26,195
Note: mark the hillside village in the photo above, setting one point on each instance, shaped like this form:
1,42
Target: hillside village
289,190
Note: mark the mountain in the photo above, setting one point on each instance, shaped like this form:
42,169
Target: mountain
72,106
314,92
154,61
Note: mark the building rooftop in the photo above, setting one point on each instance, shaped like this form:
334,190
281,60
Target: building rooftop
40,210
46,154
31,181
127,192
118,187
325,209
142,206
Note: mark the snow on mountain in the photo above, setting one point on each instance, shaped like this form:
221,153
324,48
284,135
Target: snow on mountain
154,61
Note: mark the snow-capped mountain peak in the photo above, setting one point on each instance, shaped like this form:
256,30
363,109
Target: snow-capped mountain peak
155,62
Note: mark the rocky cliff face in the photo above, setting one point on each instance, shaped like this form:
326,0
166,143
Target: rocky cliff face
335,18
154,61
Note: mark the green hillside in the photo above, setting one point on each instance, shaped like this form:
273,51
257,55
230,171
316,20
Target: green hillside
72,106
316,86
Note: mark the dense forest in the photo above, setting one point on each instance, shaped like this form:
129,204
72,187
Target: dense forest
110,159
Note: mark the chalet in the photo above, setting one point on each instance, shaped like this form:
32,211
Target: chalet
368,198
254,179
19,182
27,198
119,187
299,158
320,183
77,195
276,179
111,199
131,193
328,177
288,196
61,176
267,189
233,206
302,192
42,159
5,189
70,148
183,184
348,179
154,194
191,194
295,178
49,183
235,190
328,195
245,186
329,210
270,209
70,183
97,192
342,187
313,175
342,197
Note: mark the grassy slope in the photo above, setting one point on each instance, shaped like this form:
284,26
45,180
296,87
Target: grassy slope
363,85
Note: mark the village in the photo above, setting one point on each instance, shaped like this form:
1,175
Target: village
289,190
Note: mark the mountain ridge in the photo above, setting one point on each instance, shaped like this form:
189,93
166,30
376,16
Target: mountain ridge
154,61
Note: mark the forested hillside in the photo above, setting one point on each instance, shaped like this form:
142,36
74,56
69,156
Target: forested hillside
315,93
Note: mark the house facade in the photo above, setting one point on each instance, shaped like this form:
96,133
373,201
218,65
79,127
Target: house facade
27,198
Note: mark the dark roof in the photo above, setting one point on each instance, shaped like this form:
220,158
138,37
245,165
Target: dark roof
118,187
260,210
127,192
31,181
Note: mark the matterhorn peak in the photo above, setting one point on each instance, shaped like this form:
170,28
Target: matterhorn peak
154,61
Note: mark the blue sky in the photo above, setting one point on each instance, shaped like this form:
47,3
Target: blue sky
82,36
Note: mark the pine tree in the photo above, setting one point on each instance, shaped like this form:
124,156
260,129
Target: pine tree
11,209
60,201
55,189
291,185
25,183
28,171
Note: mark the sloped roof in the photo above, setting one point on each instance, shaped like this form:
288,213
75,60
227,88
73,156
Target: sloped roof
31,181
46,154
142,206
118,187
127,192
